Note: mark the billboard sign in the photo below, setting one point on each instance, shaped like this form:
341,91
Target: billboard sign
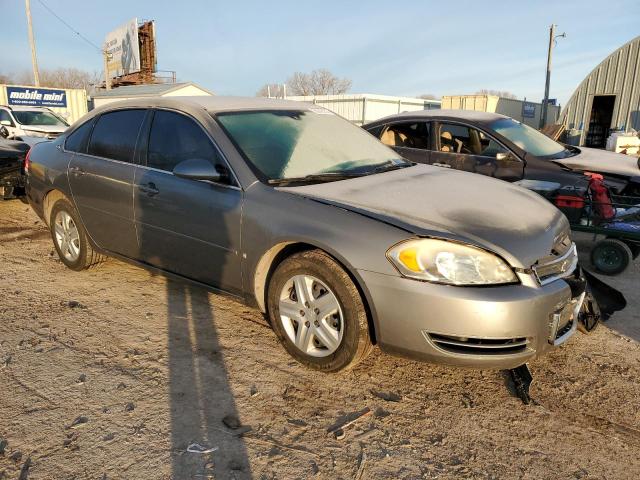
36,97
528,110
123,50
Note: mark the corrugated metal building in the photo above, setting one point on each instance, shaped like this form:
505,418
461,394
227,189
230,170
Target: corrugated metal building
607,99
365,107
75,100
152,90
523,111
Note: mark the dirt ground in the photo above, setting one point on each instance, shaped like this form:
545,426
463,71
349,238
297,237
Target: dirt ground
112,373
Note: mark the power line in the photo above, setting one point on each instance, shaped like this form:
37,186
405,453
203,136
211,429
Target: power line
69,26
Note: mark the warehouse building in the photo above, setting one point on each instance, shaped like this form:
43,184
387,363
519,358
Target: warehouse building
365,107
151,90
523,111
607,99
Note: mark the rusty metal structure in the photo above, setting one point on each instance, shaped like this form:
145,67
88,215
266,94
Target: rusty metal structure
148,60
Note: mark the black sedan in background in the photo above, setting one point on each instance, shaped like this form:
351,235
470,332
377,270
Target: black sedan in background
12,155
500,147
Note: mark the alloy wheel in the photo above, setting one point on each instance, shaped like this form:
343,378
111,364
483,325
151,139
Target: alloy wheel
311,316
67,236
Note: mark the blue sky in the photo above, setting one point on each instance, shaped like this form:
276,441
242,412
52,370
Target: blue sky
393,48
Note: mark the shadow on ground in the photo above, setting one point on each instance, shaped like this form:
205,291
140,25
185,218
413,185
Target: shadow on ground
201,400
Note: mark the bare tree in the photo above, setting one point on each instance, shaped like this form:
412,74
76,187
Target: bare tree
6,79
61,78
318,82
270,89
497,93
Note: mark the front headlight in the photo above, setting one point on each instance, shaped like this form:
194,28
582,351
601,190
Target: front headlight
450,263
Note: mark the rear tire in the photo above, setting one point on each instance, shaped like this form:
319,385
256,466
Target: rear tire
70,238
611,256
333,342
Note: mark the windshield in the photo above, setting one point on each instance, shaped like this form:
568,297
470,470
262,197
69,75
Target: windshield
285,144
529,139
35,117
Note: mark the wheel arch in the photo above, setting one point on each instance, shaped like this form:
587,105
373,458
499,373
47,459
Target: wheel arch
50,198
273,257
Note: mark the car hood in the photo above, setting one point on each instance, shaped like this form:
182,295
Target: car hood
515,223
43,128
603,161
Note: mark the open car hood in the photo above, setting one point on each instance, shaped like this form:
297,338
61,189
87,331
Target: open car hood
516,223
602,161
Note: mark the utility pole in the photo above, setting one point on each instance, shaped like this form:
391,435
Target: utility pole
32,42
545,101
107,80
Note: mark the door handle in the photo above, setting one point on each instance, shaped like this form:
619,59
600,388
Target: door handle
76,171
149,188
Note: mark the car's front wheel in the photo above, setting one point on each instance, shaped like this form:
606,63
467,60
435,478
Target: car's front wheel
70,238
318,313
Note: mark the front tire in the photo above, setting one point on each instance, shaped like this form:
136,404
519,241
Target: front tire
70,238
317,312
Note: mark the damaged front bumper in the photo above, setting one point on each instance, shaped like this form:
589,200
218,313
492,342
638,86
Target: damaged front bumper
482,327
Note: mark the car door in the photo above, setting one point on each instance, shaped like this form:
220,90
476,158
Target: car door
101,173
467,148
188,227
410,139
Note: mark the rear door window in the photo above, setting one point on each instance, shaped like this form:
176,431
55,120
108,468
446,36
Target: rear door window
77,141
115,135
174,138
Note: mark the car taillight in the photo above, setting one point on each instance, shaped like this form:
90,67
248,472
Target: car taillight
27,161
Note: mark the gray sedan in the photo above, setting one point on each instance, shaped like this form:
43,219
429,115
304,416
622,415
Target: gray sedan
339,241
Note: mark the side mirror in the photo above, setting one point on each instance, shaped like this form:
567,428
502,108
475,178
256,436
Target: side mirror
4,133
197,169
506,158
6,123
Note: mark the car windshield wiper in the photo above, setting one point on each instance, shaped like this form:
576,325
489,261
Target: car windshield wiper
315,177
390,165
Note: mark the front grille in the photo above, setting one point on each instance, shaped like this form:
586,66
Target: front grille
554,267
479,346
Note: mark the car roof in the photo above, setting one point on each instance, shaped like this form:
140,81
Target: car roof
24,107
443,114
213,104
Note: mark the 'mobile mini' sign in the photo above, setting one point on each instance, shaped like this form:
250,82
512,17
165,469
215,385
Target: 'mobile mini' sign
36,97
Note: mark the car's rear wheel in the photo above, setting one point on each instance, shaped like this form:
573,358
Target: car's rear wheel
318,313
70,238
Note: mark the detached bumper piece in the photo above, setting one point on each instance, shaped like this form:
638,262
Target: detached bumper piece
522,378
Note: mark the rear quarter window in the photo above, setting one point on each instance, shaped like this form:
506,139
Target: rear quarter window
77,141
115,135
